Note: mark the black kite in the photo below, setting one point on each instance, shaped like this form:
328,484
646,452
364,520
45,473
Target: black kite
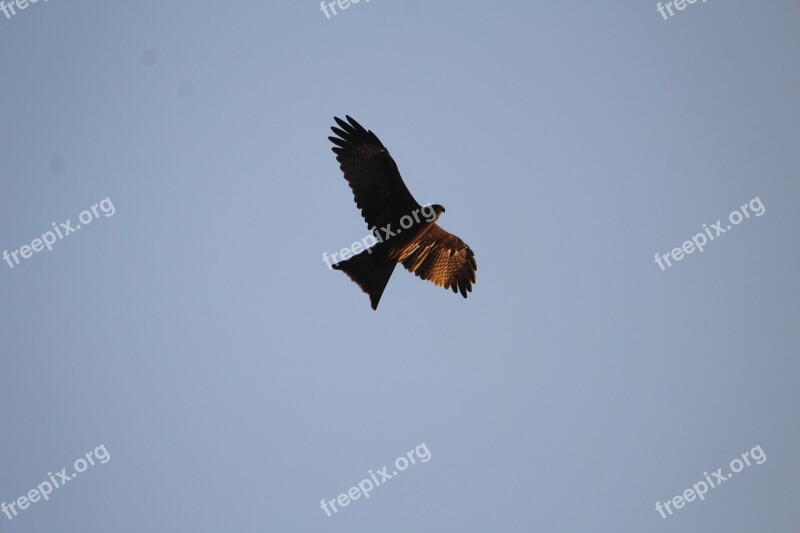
393,215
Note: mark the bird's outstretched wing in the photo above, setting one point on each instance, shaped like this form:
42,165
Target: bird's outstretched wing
373,176
442,258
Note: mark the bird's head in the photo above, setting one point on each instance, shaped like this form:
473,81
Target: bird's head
437,211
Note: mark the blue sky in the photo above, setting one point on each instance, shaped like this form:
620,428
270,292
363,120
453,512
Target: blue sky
235,381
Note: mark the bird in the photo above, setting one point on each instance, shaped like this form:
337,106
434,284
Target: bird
393,215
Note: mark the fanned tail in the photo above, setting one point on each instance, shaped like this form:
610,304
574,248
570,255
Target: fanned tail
370,271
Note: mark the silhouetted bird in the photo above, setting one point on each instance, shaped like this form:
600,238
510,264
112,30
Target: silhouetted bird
402,235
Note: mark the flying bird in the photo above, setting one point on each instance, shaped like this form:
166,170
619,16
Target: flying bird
393,215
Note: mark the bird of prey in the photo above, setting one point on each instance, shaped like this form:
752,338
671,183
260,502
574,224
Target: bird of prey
393,215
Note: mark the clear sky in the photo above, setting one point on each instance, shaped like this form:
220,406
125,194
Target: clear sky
234,381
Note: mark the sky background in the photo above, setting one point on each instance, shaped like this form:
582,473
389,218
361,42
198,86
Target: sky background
235,381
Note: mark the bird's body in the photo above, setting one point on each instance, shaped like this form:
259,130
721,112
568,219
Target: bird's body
406,232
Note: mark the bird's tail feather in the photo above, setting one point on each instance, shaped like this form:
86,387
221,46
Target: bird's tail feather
370,271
